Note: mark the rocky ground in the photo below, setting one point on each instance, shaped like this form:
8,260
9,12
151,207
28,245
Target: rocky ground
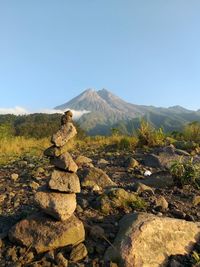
143,172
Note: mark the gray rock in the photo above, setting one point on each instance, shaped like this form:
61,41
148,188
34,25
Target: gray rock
64,182
44,233
83,161
65,162
59,205
159,179
148,240
66,132
94,176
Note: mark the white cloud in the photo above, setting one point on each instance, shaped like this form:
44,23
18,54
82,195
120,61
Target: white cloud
22,111
16,111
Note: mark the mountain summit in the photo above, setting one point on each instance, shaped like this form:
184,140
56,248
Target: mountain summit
107,110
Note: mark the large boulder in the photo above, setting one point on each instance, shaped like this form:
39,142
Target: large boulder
65,162
66,132
64,182
148,240
59,205
96,177
43,233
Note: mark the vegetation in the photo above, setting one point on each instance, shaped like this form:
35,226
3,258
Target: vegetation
149,136
186,172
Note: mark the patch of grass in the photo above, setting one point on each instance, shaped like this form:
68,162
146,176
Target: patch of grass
149,136
186,172
12,148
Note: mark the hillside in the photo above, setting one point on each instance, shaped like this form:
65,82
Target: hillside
108,111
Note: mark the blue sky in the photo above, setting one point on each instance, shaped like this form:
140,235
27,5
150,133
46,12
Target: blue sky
145,51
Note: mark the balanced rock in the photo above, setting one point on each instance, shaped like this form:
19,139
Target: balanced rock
64,182
65,162
148,240
66,132
54,151
43,233
94,176
61,206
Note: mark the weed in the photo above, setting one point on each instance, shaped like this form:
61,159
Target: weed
186,172
149,136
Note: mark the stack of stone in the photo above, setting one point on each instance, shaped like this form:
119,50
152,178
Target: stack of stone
58,199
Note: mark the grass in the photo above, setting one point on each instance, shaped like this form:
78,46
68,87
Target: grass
12,148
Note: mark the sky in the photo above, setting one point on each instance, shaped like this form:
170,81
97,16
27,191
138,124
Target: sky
145,51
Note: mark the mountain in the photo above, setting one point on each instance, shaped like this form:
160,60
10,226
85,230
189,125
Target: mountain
107,110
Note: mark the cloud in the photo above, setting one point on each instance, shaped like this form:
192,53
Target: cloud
22,111
16,111
76,113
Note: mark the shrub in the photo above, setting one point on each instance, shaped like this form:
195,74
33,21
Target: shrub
149,136
186,172
191,132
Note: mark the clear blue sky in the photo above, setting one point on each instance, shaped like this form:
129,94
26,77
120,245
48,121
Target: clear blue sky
145,51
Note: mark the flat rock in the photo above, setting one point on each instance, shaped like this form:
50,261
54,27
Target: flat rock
59,205
64,182
66,132
159,179
43,233
65,162
148,240
54,151
94,176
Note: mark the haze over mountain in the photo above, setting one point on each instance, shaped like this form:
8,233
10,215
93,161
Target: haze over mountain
107,110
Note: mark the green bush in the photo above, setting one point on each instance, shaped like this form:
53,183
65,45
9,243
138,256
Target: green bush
191,132
186,172
149,136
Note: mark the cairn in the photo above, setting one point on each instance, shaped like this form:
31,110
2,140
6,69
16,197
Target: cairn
59,200
55,225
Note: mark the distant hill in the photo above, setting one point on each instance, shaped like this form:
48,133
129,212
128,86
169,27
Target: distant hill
108,110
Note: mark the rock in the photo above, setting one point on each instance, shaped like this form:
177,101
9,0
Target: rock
131,163
12,254
78,253
34,185
97,232
196,200
163,160
162,202
161,179
144,188
66,132
94,176
65,162
119,198
64,182
61,260
43,233
148,240
54,151
60,206
147,173
152,160
14,177
83,161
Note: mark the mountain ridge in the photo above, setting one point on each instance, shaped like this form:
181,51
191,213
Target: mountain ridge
108,110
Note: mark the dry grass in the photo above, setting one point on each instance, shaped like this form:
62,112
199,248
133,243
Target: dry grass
103,141
12,148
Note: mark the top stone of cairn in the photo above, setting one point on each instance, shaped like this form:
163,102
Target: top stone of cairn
66,132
